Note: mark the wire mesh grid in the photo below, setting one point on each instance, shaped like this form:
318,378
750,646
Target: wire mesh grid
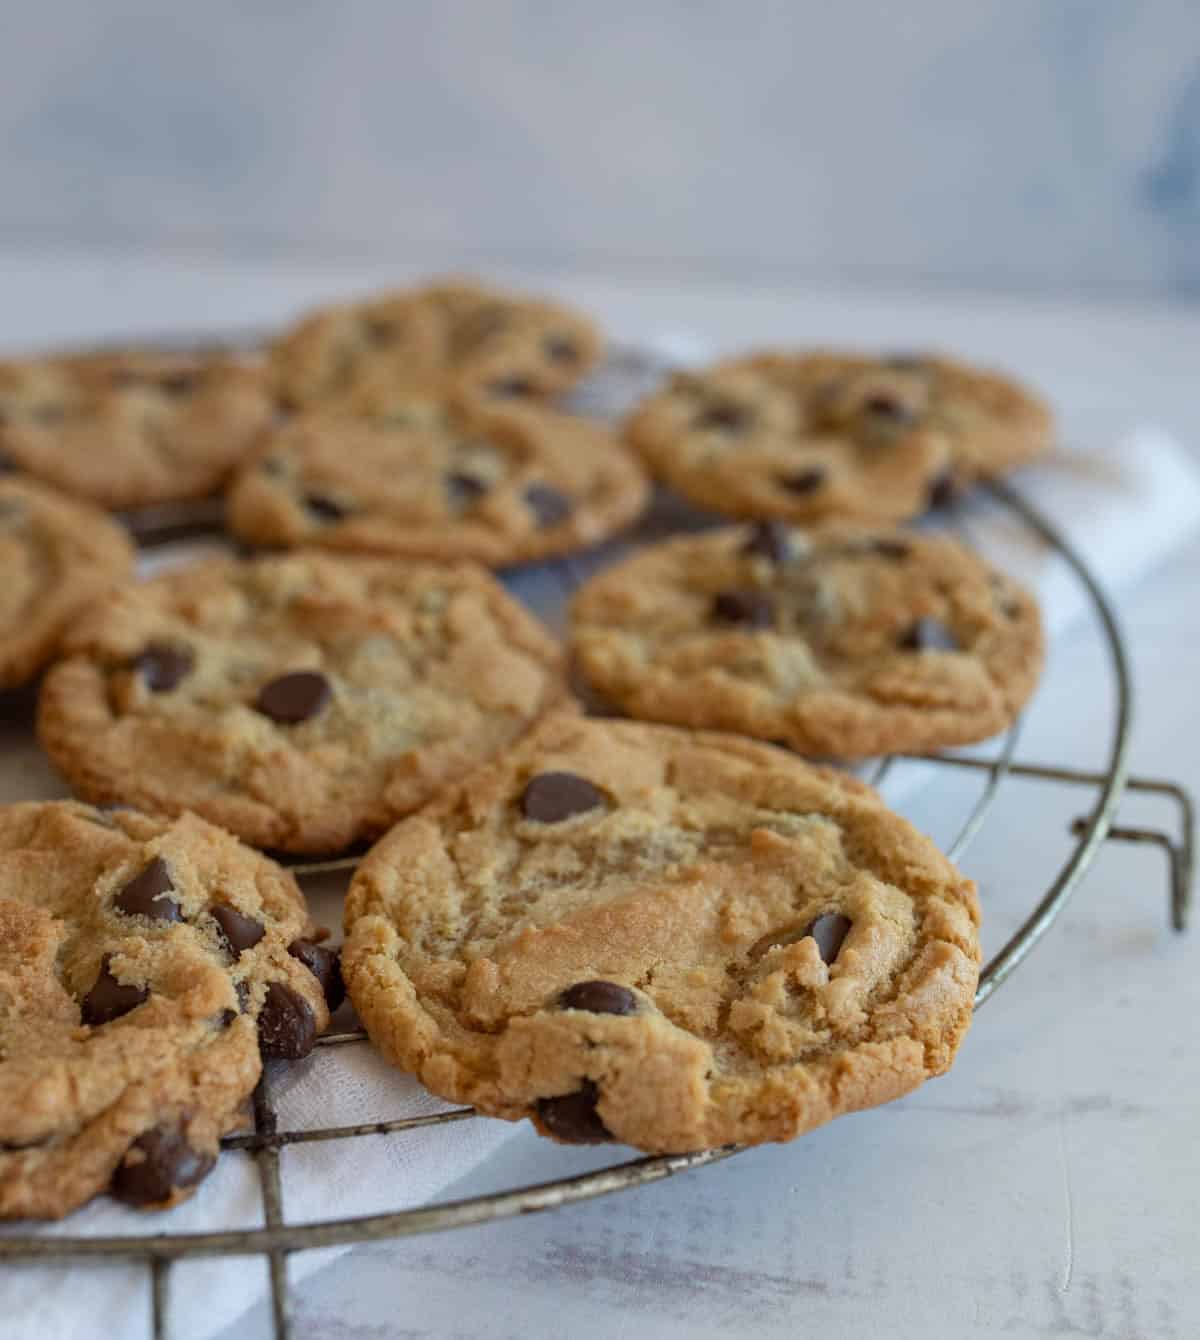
629,373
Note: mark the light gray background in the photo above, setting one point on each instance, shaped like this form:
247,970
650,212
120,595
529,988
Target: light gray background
1034,145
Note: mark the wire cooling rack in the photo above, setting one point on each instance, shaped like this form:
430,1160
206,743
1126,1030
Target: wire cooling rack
627,374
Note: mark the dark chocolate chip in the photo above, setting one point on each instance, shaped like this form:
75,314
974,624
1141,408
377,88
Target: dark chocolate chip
510,387
573,1118
888,408
162,667
287,1027
293,698
227,1017
929,635
771,540
109,999
325,509
156,1165
751,609
179,383
551,797
598,997
944,490
325,965
144,895
559,349
464,489
804,481
896,549
829,931
547,504
727,418
241,933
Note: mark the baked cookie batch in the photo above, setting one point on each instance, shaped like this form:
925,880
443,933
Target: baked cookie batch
676,930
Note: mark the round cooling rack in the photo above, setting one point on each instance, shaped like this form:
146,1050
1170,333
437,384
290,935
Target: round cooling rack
628,374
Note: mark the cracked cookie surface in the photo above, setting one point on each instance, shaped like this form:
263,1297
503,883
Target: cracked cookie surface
492,344
127,429
303,701
841,641
419,472
803,437
676,940
146,965
57,556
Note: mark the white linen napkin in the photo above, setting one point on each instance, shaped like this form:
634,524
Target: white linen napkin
1125,494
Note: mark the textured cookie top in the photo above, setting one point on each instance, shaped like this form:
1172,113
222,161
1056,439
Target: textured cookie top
57,557
143,963
414,472
128,429
840,641
802,437
671,939
494,345
303,701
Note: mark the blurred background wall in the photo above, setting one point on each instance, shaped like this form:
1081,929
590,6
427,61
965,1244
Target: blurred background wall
1033,145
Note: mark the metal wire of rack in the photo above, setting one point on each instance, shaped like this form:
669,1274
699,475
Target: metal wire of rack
276,1239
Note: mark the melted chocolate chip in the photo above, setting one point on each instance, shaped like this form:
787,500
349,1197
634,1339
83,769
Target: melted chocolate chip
325,509
464,489
895,549
325,965
559,349
929,635
145,894
573,1118
510,387
770,540
829,931
156,1165
287,1027
162,667
293,698
804,481
551,797
109,999
598,997
240,933
547,504
944,490
750,609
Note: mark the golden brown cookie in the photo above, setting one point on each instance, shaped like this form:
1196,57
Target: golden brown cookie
124,430
57,557
672,939
416,472
803,437
144,966
304,701
838,641
492,344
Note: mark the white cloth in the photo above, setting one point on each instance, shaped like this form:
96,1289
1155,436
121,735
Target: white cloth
1126,495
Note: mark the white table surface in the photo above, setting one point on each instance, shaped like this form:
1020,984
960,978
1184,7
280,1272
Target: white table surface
1048,1186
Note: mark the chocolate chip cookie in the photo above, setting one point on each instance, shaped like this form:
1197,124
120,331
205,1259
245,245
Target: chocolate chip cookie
124,430
672,939
302,701
417,472
57,557
494,345
839,641
146,965
802,437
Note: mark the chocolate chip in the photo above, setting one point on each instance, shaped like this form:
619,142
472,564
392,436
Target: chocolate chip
109,999
179,383
726,418
325,965
573,1118
293,698
287,1027
163,667
7,464
156,1165
944,490
547,504
508,387
551,797
929,635
559,349
804,481
751,609
598,997
888,408
829,931
770,540
896,549
325,509
144,896
464,489
241,933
